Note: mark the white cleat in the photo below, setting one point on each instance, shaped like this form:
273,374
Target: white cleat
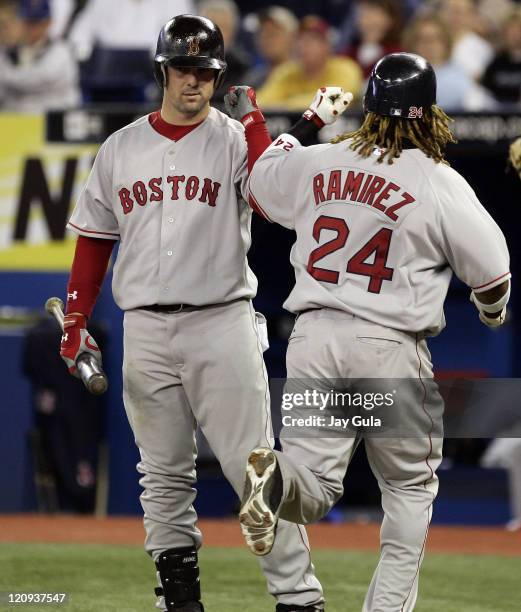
261,501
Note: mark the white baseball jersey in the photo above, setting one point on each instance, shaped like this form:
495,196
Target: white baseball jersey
177,209
376,240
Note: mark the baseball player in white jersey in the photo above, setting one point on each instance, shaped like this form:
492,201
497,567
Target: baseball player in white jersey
170,187
381,222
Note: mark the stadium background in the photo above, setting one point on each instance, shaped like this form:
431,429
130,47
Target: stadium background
44,160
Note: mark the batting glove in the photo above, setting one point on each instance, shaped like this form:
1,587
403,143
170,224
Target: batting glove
77,340
327,106
241,104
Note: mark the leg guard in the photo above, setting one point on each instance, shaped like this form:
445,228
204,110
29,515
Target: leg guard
179,576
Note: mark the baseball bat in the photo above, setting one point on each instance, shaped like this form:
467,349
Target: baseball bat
90,370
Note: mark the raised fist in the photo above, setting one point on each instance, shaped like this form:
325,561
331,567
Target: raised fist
327,106
76,340
241,104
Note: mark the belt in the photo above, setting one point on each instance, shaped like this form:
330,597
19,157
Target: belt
166,307
169,308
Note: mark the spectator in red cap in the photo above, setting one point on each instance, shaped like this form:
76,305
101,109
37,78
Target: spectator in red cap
378,26
39,74
294,83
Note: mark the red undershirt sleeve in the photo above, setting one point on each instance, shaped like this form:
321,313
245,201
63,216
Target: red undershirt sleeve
258,140
89,267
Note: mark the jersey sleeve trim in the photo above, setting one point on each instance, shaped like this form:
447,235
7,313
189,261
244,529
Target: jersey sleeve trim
491,284
92,233
257,207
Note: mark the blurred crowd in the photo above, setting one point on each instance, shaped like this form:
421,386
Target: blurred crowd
64,53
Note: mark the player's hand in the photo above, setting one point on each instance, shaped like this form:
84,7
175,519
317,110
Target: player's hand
76,340
487,318
327,106
241,104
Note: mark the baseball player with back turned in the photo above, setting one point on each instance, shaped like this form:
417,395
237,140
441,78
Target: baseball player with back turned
170,188
381,221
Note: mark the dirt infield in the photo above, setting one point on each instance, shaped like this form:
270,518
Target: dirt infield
226,533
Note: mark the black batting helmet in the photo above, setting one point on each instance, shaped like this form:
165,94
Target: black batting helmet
190,40
401,85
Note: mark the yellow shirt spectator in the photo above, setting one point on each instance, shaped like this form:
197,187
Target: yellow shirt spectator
290,86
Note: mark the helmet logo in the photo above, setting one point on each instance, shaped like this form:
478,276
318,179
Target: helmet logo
193,46
415,112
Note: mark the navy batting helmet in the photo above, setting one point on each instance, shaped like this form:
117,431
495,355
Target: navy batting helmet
191,41
401,85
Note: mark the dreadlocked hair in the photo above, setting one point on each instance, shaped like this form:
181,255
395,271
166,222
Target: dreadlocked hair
430,133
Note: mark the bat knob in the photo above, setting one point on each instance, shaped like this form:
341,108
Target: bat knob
97,384
91,374
52,303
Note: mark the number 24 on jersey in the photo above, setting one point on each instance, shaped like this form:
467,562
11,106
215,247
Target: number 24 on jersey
379,244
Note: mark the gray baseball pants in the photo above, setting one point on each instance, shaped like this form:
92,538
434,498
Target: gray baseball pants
331,344
203,366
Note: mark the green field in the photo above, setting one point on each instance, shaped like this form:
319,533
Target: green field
109,578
